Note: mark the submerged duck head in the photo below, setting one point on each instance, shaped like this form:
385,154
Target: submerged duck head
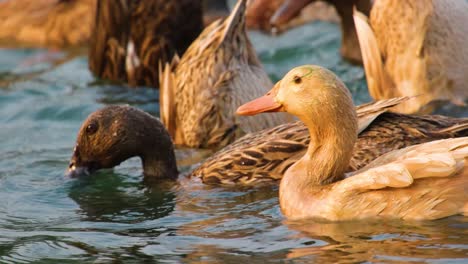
114,134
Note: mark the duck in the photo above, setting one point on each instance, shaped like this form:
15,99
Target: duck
282,14
46,23
116,133
218,71
422,182
416,48
128,41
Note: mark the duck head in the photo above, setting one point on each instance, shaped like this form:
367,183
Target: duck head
309,92
114,134
320,100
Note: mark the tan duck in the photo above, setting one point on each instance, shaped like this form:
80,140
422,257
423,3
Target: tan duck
282,14
46,23
130,38
425,181
416,48
218,72
115,133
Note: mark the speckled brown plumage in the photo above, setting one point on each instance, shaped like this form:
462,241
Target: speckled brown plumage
46,23
264,156
131,37
219,71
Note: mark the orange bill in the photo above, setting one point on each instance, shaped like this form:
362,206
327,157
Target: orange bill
262,104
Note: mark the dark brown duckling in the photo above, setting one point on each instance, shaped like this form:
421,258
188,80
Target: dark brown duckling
130,38
115,133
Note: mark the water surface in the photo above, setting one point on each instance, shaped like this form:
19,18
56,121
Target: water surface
112,217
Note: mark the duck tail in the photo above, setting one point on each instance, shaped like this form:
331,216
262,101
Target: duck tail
166,98
379,83
235,20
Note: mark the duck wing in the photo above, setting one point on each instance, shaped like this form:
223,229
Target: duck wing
426,181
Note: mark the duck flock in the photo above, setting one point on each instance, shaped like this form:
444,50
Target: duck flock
390,158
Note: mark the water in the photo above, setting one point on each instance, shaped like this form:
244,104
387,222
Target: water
113,217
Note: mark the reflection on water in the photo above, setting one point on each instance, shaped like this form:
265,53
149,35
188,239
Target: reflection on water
385,240
113,217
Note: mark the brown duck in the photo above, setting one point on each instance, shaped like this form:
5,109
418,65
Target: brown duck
218,72
130,37
115,133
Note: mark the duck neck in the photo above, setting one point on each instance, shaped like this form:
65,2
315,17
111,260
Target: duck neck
156,167
325,162
157,155
329,153
332,138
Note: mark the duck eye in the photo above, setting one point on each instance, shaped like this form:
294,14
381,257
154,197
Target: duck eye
297,79
91,128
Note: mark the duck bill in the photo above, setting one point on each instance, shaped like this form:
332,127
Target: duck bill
286,12
262,104
77,172
79,168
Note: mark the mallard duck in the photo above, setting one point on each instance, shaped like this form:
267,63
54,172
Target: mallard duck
283,12
425,181
128,41
46,23
115,133
416,48
219,70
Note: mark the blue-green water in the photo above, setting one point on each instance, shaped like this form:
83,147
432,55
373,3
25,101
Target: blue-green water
113,217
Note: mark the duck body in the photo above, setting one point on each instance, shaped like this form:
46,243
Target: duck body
426,181
218,72
46,23
130,38
388,189
416,48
